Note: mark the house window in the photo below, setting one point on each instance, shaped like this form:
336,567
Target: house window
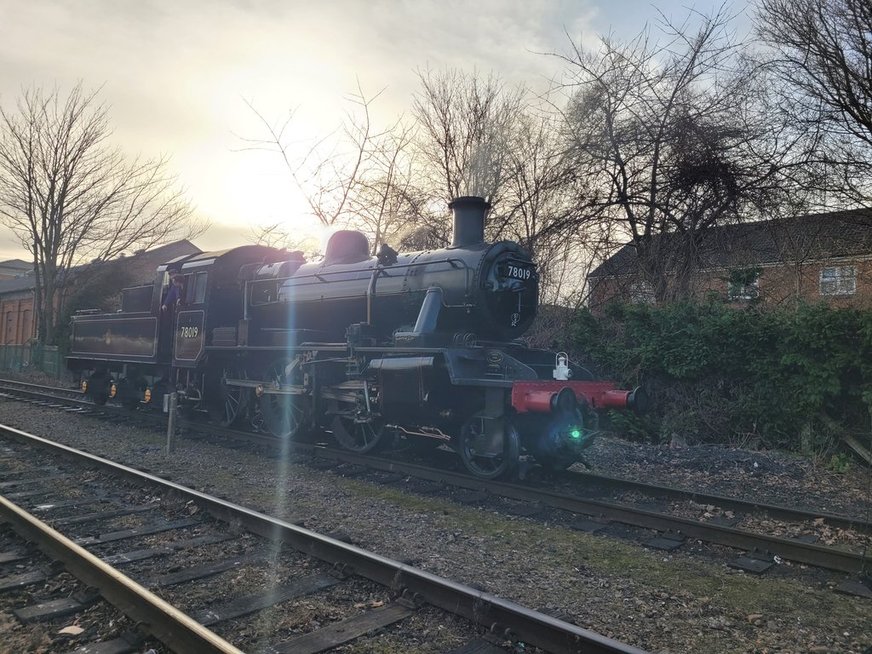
744,284
838,280
641,293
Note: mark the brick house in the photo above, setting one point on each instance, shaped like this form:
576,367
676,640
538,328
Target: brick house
818,257
17,317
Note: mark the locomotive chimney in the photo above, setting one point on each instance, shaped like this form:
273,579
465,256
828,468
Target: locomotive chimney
469,213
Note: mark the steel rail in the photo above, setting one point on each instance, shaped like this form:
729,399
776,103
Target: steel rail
41,396
42,387
725,501
504,617
794,550
171,626
75,399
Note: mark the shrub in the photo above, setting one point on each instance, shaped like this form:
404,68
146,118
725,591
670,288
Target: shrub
792,378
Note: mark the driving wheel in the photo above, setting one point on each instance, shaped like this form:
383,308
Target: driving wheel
284,412
359,435
230,401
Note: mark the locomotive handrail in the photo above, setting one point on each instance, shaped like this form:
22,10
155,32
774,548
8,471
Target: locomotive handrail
377,271
454,262
370,290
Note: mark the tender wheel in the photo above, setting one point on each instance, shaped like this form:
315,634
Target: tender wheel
130,392
160,388
357,436
489,453
284,415
230,401
98,388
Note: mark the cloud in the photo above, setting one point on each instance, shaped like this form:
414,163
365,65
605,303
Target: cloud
175,73
10,246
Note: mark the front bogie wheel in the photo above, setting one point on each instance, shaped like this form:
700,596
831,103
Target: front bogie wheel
559,443
489,447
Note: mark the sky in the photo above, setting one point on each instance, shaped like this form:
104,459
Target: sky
179,76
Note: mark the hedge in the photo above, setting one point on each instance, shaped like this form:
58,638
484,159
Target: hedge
795,378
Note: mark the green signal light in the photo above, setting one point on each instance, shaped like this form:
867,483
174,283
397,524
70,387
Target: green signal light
575,433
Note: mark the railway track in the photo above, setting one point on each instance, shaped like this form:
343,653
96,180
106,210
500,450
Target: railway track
84,504
673,530
759,551
777,511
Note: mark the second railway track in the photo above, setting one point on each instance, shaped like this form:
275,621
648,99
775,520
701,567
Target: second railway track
290,574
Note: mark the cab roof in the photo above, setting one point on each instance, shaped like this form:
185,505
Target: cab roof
237,255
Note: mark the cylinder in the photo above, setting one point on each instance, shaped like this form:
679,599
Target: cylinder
469,214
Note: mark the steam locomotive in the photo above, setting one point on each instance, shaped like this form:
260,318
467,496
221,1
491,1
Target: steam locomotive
421,346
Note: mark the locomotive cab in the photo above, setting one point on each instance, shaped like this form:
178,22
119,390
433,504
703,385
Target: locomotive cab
144,347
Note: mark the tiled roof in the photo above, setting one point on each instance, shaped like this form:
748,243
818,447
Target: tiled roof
18,264
22,283
26,282
801,238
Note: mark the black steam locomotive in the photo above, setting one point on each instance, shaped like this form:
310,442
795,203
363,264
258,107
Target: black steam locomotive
419,346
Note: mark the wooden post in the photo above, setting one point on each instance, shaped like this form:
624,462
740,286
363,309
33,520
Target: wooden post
857,446
171,423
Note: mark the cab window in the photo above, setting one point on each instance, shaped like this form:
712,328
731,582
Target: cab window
199,290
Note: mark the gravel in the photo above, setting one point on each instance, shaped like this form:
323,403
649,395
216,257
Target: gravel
769,477
661,602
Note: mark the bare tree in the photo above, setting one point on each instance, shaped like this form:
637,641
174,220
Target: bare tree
70,197
327,172
387,201
276,235
542,194
476,135
675,138
823,53
359,176
465,126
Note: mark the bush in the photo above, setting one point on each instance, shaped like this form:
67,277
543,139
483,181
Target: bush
788,378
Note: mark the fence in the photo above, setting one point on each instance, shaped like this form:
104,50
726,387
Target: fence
42,358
